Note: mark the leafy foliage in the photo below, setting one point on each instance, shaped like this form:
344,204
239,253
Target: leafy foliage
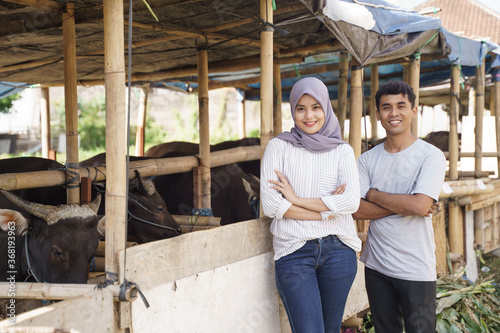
6,103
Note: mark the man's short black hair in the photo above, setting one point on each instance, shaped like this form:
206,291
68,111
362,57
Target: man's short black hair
395,88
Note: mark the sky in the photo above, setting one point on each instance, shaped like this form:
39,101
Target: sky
493,4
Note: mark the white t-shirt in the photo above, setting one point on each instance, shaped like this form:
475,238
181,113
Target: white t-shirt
402,246
311,175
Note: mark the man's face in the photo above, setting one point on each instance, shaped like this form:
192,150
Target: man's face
395,114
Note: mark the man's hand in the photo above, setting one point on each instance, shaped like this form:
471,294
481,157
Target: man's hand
435,207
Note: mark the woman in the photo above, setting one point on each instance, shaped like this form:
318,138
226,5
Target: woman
310,187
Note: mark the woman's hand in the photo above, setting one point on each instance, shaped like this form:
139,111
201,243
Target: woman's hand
285,188
339,190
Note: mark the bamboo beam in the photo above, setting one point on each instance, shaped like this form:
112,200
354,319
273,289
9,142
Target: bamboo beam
356,105
277,112
204,125
71,101
42,4
116,182
141,121
342,90
45,121
147,168
414,77
479,114
55,291
374,84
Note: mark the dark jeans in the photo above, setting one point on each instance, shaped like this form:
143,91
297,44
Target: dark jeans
313,283
392,300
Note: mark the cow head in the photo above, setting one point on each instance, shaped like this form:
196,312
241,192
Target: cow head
148,214
252,188
62,240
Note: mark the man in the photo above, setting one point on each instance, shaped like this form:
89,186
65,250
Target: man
400,179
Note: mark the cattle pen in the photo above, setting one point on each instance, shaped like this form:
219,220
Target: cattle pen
222,279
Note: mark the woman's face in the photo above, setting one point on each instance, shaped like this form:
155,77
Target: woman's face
309,115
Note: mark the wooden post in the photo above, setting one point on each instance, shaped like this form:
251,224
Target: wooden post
204,123
455,222
479,114
497,116
373,105
85,191
242,118
45,121
141,121
342,90
415,84
356,107
71,102
116,147
277,112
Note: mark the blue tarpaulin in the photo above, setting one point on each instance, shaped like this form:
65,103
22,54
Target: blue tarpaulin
9,88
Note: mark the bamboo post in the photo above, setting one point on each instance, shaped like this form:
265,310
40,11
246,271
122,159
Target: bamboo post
141,121
204,124
497,115
266,78
479,114
45,121
373,106
266,75
454,109
71,102
356,108
277,112
342,90
415,84
242,117
455,223
116,148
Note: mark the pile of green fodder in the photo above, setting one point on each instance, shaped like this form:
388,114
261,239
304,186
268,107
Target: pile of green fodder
463,306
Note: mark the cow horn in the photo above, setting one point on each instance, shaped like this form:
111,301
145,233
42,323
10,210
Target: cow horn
42,211
94,205
143,186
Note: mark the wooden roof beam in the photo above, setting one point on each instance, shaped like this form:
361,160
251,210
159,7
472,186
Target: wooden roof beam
42,4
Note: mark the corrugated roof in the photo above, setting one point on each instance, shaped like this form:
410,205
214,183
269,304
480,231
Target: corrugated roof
466,17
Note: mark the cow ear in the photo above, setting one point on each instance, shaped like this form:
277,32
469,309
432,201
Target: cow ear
11,220
101,227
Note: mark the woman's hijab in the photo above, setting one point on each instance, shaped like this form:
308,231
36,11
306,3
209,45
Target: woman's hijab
329,136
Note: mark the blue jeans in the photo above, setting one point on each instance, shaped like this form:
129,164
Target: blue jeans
313,283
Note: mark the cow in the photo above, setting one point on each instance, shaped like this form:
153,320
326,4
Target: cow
234,193
181,148
45,243
440,139
148,217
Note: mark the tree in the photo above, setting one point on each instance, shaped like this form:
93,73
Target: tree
6,103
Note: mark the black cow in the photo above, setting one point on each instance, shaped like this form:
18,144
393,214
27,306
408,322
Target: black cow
46,243
234,193
441,139
149,219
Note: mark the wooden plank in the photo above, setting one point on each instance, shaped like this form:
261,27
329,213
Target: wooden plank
85,314
199,221
42,4
470,253
160,262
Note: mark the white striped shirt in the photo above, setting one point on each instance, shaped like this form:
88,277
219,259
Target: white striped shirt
311,175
